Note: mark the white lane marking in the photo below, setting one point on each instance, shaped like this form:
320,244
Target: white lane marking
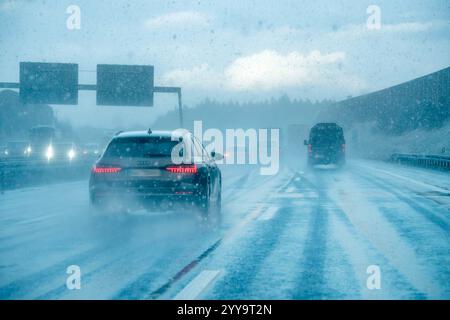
306,195
46,217
197,285
248,218
203,280
286,184
253,215
290,195
383,235
268,214
200,280
291,189
417,182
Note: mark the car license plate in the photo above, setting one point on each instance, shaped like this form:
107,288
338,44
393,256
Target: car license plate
145,172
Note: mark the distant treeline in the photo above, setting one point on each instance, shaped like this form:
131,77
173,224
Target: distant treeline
273,113
422,103
17,118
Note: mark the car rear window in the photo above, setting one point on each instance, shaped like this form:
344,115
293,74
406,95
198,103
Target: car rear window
140,147
326,135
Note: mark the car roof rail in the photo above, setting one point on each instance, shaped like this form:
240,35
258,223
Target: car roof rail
118,132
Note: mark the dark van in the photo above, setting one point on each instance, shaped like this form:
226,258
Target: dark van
326,144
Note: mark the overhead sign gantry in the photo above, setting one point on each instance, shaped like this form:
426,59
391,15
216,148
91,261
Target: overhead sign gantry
52,83
117,85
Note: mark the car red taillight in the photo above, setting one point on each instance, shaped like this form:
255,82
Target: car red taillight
96,169
343,147
309,148
190,169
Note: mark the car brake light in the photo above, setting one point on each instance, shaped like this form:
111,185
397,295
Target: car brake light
343,147
309,148
192,169
96,169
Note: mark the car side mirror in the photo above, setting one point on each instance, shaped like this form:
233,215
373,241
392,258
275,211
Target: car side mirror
216,155
305,142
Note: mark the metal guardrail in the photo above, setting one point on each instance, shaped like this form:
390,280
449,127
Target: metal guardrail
16,172
33,163
423,160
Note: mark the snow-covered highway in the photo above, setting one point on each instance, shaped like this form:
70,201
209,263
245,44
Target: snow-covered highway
300,234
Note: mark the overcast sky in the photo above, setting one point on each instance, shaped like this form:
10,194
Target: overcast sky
241,50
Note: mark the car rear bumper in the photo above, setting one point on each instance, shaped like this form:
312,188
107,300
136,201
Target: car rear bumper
118,201
326,159
122,192
179,194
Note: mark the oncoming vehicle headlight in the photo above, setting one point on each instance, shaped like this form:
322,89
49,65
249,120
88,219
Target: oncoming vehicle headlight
71,154
49,153
28,150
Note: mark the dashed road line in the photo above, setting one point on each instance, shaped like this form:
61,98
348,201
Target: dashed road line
187,268
165,287
291,189
198,285
268,214
253,215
